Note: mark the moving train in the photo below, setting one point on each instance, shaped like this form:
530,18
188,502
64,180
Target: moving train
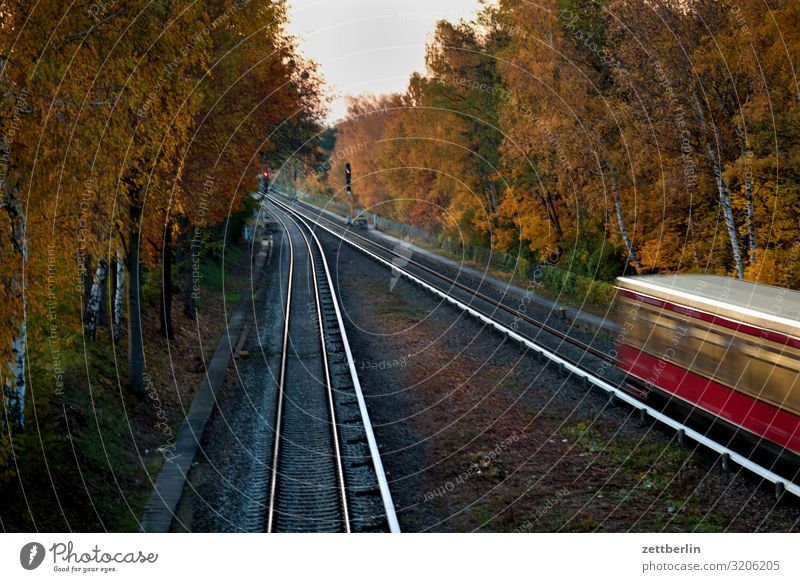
728,347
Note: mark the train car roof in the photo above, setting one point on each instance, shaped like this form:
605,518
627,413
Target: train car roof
756,303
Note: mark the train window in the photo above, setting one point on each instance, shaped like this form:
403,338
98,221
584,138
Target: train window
772,376
661,334
757,367
771,383
641,325
707,350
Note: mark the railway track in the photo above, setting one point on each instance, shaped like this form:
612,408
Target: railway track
574,357
326,474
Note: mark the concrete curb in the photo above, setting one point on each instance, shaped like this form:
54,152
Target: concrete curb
168,489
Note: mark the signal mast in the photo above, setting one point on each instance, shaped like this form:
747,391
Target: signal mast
263,182
347,176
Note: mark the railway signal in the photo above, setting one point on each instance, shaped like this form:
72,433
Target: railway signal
263,182
348,174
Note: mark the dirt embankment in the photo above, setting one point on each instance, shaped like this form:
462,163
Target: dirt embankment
87,457
478,436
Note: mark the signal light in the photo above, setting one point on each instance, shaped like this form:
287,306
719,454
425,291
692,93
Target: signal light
263,182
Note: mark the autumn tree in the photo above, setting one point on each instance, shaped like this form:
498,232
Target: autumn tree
625,135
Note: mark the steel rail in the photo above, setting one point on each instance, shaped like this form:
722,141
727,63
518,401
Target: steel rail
281,383
328,382
781,484
483,297
380,473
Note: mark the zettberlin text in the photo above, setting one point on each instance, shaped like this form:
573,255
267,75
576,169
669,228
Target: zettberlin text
665,549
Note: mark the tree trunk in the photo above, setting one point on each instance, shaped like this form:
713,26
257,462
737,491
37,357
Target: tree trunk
189,305
135,341
14,385
722,188
86,286
95,299
623,228
727,211
751,215
690,235
12,372
102,312
112,290
166,285
119,297
552,215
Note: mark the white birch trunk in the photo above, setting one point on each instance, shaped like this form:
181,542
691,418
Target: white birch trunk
93,309
12,373
727,211
119,297
623,228
14,385
722,190
751,216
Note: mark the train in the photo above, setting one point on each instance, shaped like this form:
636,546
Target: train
726,347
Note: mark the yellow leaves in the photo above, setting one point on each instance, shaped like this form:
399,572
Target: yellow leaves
767,269
664,252
114,114
528,214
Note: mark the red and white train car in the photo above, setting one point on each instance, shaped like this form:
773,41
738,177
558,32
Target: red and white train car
729,347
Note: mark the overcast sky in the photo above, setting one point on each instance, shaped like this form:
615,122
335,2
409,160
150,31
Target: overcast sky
369,45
